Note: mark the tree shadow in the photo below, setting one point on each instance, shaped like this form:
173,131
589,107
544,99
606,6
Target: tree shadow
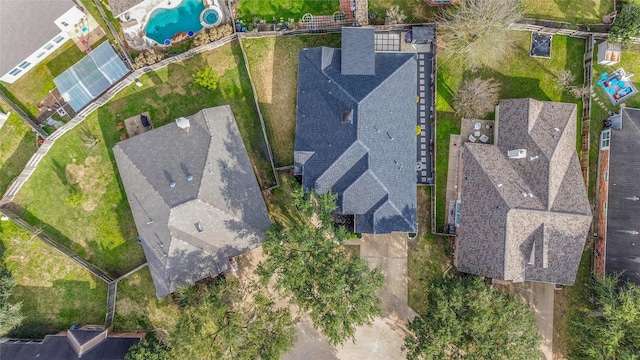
16,162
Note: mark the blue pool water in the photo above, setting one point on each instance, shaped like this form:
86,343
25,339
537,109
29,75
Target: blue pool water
165,23
210,16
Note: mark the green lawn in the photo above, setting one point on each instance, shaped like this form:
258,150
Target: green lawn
273,62
252,10
76,194
416,11
93,10
55,292
520,76
428,256
572,11
138,309
27,91
16,147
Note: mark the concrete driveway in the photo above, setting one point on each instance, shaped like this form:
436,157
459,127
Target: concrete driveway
384,338
539,296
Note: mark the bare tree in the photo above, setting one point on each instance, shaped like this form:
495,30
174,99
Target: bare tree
476,32
395,16
565,81
476,97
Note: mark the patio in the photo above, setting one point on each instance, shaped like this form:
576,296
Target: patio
617,86
477,131
136,125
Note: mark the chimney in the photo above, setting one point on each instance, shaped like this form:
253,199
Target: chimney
183,123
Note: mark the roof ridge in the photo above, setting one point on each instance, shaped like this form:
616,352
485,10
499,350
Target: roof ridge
552,212
396,209
336,162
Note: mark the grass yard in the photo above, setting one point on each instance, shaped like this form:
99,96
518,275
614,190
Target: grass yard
27,91
520,76
252,10
17,145
428,256
572,11
76,194
273,62
55,291
137,307
416,11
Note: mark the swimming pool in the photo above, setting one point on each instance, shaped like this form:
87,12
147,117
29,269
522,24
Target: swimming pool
165,23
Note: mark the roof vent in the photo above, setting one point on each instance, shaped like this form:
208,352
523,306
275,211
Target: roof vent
517,154
183,123
172,184
531,158
199,227
389,135
189,177
347,116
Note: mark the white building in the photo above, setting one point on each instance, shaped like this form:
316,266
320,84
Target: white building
31,30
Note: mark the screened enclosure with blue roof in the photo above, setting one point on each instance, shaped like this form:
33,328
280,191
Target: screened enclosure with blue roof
89,77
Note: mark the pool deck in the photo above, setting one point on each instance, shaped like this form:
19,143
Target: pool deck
138,17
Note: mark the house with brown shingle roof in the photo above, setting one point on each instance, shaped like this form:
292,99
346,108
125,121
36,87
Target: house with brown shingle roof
524,211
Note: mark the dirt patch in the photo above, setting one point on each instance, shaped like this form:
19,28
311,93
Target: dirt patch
88,177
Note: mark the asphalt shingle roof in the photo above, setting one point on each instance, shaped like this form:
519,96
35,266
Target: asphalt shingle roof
524,219
369,162
623,207
191,230
57,347
26,26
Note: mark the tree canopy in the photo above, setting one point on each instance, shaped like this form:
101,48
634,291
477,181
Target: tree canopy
230,320
476,32
467,319
611,329
309,262
10,313
150,348
626,25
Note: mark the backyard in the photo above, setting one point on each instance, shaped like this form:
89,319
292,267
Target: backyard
273,62
55,292
250,10
573,11
519,76
416,11
138,308
27,91
630,61
76,195
17,145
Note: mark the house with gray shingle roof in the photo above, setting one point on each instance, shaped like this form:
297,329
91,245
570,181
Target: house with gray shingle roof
524,212
619,197
356,130
194,197
119,7
31,31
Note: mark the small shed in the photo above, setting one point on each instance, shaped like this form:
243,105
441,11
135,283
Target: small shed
609,53
423,34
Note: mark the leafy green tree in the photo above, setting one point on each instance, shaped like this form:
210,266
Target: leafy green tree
626,25
476,32
611,329
207,78
150,348
230,320
467,319
307,258
10,314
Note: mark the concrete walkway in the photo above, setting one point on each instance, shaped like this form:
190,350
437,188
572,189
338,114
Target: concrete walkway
384,338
